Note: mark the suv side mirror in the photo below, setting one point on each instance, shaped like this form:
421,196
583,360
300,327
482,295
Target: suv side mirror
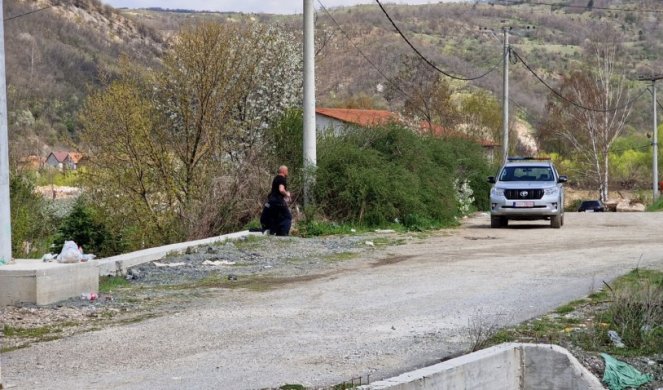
491,179
562,179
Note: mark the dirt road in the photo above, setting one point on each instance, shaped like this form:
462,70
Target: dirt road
406,307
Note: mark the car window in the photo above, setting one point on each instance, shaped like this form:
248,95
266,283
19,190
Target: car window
527,173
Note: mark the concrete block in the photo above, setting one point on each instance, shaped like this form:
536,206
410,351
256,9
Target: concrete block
33,281
36,282
505,366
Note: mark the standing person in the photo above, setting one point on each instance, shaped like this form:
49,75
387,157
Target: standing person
280,217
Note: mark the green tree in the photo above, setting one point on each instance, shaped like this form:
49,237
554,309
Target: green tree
31,222
178,153
81,226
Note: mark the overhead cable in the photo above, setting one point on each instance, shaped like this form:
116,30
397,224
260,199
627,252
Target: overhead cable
27,13
426,60
559,94
561,5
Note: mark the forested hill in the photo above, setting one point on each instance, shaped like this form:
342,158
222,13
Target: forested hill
56,51
55,55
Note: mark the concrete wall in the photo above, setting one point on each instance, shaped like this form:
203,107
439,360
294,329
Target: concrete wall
506,366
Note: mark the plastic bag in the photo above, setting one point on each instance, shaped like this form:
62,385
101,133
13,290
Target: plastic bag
70,253
619,375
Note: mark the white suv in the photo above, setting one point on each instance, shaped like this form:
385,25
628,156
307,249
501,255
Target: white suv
527,189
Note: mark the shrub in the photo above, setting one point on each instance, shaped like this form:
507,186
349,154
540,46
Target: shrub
82,226
390,174
31,222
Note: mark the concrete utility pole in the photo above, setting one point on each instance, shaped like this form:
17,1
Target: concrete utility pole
655,143
505,94
309,101
5,219
653,80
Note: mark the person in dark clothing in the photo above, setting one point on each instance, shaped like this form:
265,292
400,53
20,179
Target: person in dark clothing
276,216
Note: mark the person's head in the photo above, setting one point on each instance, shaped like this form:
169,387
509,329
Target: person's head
283,171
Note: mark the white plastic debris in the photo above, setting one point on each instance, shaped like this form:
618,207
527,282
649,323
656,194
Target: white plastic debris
70,253
88,257
219,262
168,264
616,340
385,231
48,257
369,243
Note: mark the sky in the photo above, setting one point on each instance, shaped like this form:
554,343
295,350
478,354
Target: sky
257,6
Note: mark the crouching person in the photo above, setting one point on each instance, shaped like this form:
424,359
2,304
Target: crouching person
276,216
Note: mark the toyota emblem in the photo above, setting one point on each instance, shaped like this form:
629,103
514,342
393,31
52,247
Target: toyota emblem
523,194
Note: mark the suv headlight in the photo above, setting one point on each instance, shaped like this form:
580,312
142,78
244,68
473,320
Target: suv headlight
551,191
496,191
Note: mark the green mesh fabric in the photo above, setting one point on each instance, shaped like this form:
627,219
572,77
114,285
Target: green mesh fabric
619,375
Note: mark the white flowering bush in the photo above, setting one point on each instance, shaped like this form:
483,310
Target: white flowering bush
464,195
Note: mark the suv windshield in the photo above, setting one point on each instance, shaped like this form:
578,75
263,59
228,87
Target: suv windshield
527,174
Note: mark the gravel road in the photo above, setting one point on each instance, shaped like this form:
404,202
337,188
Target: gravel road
391,309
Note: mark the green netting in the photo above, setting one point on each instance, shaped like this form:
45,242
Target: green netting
619,375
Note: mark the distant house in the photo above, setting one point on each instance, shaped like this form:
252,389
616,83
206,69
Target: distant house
64,160
336,120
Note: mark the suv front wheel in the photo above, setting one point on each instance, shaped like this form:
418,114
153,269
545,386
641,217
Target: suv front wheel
498,222
556,221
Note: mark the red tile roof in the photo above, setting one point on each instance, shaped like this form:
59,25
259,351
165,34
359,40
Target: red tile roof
368,118
365,118
60,156
75,157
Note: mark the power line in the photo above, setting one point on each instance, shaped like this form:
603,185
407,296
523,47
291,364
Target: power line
426,60
624,149
561,5
362,53
559,95
27,13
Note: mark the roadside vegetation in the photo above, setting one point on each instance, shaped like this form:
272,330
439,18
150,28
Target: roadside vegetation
631,306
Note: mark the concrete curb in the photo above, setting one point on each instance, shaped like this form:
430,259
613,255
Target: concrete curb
36,282
118,265
505,366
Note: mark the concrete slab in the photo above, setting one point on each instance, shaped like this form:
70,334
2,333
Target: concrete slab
505,366
33,281
36,282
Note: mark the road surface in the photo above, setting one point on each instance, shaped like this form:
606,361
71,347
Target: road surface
408,307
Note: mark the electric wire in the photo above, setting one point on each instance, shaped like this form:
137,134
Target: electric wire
624,149
347,36
27,13
562,97
429,62
561,5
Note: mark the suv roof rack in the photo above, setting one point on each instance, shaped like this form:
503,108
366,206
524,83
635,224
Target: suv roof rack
519,158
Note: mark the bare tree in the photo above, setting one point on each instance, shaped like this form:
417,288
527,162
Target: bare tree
601,109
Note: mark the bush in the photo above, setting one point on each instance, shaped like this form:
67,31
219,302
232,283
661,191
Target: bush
635,311
390,174
31,222
657,206
82,226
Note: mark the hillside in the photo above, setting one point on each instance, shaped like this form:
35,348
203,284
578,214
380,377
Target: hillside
55,55
56,50
464,39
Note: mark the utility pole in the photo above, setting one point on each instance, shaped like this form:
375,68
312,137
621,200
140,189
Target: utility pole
309,102
653,80
505,94
5,211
